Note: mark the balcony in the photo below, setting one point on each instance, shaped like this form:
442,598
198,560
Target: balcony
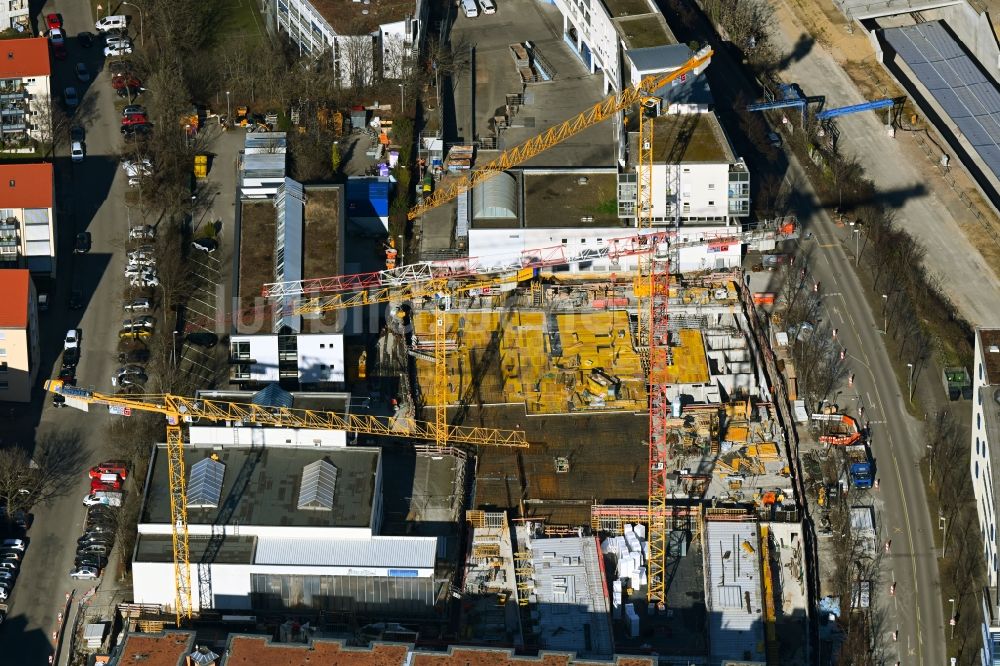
13,95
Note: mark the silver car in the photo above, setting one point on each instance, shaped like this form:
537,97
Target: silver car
139,322
138,305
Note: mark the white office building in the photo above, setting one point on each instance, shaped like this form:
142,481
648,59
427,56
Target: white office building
281,527
303,359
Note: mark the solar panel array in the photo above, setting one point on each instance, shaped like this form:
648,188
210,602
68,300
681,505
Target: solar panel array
319,481
205,484
956,83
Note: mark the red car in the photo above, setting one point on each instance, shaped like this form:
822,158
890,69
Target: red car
54,21
98,486
134,119
118,467
120,81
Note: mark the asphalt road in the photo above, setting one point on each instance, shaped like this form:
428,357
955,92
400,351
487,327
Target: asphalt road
897,444
89,197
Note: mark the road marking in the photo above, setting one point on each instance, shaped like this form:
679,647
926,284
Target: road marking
899,480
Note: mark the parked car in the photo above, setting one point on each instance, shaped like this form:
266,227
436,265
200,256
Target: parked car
71,357
135,333
77,133
123,50
83,243
71,98
85,39
208,245
118,42
146,282
138,305
134,119
125,80
119,467
75,299
14,544
111,22
72,339
96,561
106,499
76,151
116,33
134,168
132,379
10,556
140,271
82,74
143,252
54,21
57,37
67,374
93,549
140,322
9,566
134,356
142,232
134,109
84,573
203,339
136,129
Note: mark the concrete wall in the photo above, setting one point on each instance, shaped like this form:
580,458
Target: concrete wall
153,583
598,33
15,351
321,358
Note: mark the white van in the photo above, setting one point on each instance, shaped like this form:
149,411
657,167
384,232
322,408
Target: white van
489,6
111,22
471,8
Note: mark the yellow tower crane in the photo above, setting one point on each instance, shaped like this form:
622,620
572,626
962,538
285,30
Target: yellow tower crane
436,288
179,409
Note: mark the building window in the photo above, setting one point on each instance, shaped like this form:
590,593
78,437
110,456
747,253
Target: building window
977,447
3,352
976,466
979,421
3,386
980,371
711,203
241,349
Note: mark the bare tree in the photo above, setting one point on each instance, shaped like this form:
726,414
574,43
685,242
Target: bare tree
356,55
26,481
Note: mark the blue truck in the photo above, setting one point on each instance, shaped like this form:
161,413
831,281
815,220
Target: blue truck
860,465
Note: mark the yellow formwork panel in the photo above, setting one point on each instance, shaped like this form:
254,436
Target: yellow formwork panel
690,364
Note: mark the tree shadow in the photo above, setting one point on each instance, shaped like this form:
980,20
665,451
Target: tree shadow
802,47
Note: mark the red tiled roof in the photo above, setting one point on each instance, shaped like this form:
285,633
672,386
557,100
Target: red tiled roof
254,650
21,58
14,304
32,185
166,649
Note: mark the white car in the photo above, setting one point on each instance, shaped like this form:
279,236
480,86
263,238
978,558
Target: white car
145,281
84,573
142,232
76,152
141,168
71,341
124,49
13,544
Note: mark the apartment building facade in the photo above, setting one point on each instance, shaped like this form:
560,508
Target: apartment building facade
19,349
27,218
368,40
14,15
25,111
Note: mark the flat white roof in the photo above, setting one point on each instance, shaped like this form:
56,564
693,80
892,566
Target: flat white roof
377,552
733,592
569,596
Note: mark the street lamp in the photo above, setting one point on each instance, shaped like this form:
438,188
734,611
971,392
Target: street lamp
952,621
402,103
885,315
141,22
229,113
909,381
